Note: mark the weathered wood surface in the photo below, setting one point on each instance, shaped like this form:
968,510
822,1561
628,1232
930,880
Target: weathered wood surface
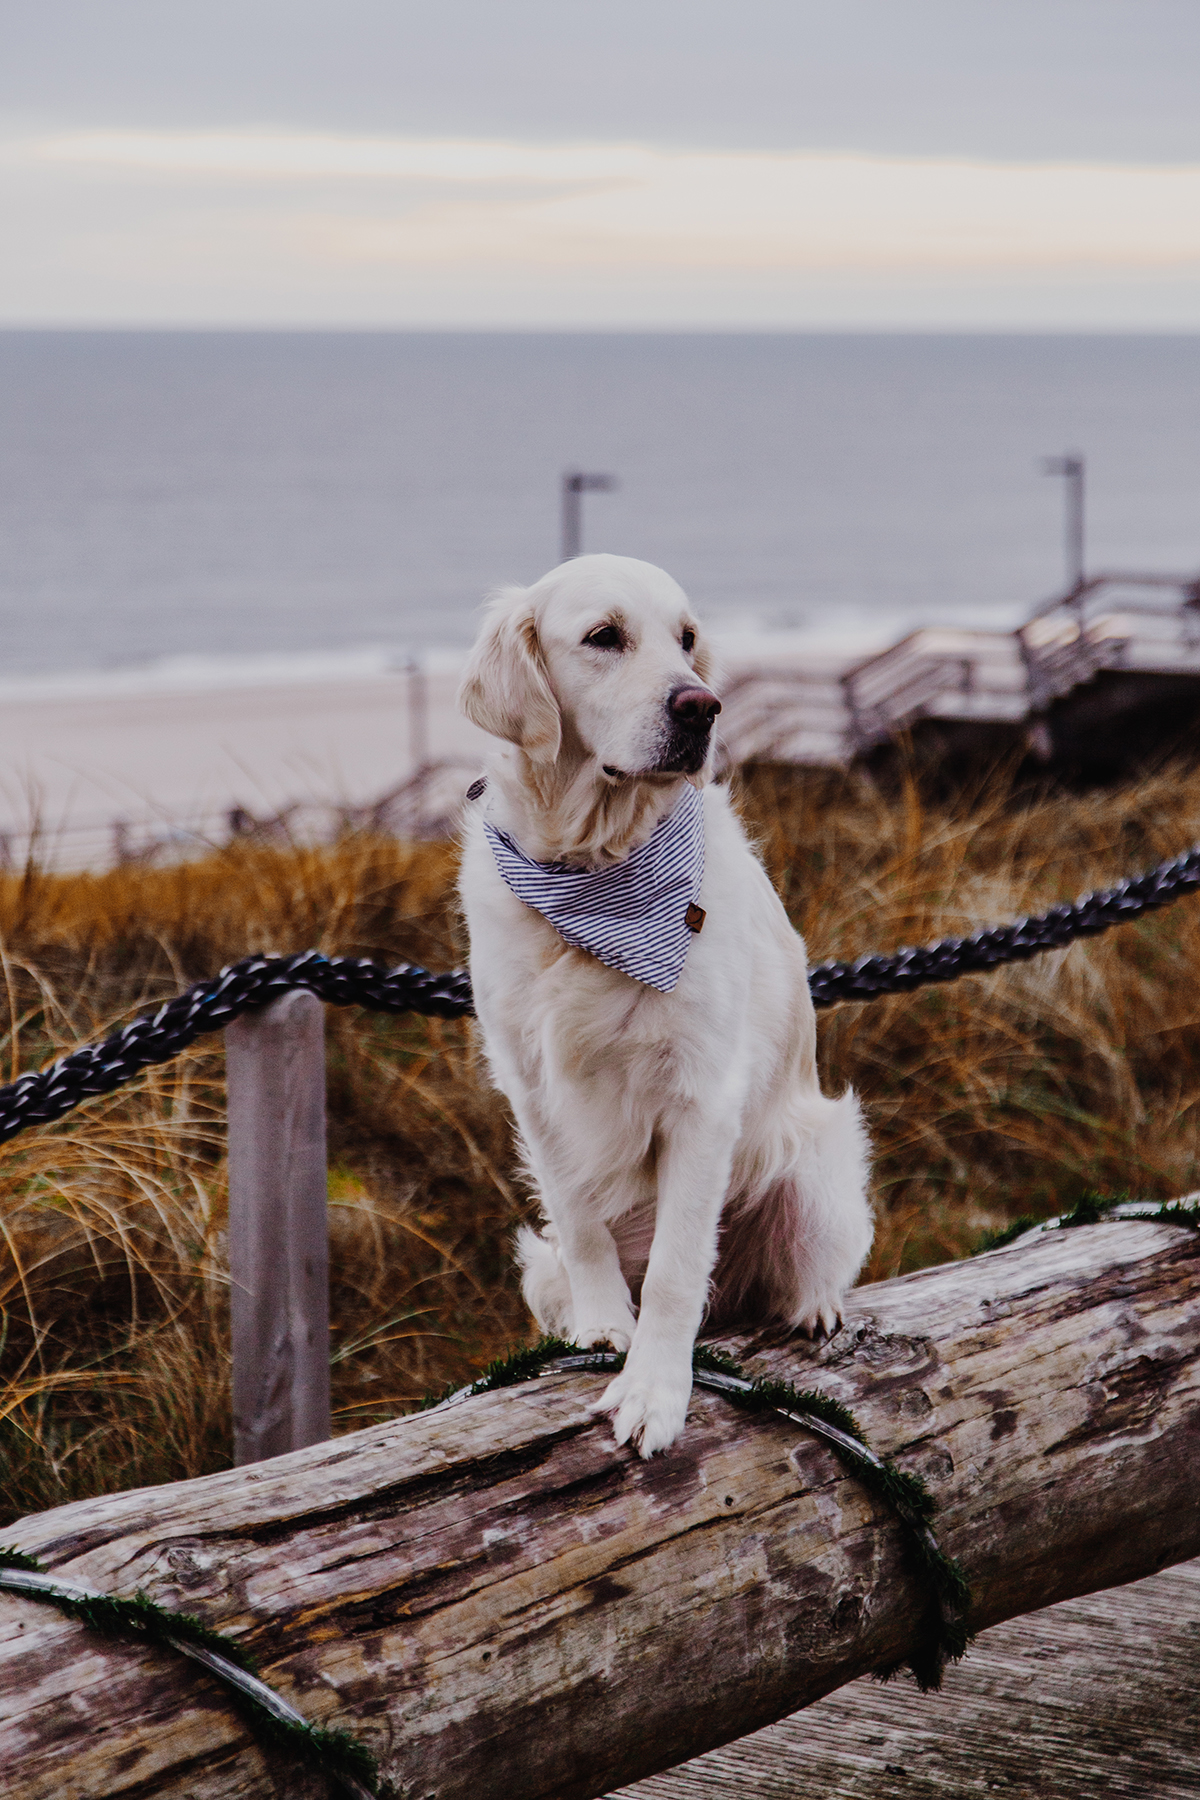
1094,1696
504,1604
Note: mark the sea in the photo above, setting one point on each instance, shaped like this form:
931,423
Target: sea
208,507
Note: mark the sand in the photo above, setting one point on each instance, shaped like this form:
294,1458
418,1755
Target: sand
106,769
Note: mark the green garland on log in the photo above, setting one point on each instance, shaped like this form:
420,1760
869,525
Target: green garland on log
1092,1209
335,1752
118,1618
906,1494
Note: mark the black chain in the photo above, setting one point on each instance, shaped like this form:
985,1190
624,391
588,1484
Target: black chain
36,1099
39,1098
949,958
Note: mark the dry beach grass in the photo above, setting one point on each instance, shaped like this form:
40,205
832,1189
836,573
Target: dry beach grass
996,1096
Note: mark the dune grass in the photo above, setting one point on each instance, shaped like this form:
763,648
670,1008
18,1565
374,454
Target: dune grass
997,1096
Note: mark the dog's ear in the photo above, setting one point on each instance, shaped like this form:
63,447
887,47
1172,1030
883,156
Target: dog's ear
506,690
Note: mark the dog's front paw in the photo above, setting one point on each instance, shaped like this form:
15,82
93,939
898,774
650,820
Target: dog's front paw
619,1333
619,1336
821,1319
647,1411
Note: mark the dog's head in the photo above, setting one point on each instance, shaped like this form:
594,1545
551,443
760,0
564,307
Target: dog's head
600,660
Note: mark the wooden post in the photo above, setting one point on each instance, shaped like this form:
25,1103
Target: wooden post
278,1228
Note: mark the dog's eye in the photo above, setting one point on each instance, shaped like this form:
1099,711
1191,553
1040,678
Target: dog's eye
688,640
605,637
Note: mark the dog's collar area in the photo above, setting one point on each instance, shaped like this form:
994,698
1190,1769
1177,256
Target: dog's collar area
638,916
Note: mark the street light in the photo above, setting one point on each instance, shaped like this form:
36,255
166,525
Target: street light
574,485
1072,466
418,715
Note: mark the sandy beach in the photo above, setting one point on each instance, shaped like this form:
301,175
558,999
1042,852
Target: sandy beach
100,770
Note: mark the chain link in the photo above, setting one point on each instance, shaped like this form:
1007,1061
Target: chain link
37,1099
900,973
41,1097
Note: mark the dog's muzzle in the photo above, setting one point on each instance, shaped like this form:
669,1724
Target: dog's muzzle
690,715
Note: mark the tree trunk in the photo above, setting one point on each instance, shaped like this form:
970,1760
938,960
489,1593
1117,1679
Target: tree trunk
503,1604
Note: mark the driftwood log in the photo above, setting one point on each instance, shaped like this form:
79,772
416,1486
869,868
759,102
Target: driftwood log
504,1604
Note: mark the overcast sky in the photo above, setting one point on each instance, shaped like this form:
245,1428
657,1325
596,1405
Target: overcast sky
879,163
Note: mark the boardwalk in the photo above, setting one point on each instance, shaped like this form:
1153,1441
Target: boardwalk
1127,634
1096,1696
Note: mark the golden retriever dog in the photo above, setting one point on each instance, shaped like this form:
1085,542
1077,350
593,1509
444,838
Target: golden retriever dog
643,997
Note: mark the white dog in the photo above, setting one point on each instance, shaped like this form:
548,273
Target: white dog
670,1116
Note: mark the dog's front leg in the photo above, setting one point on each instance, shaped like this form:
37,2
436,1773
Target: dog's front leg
599,1310
599,1292
649,1398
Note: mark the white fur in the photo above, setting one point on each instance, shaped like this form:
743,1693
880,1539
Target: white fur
685,1157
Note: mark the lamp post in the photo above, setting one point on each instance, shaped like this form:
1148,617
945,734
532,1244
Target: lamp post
1072,467
574,485
418,715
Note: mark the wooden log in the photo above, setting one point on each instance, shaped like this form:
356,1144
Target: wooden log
502,1603
278,1228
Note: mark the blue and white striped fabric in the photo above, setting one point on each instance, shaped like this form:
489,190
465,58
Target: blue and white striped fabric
632,916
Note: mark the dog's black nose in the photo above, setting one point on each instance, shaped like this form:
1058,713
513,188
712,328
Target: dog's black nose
693,706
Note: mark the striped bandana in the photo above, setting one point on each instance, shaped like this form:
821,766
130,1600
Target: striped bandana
637,916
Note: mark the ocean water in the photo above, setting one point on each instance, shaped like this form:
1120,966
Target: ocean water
227,501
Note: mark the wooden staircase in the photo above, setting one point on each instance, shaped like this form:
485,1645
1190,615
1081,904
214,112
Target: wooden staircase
815,712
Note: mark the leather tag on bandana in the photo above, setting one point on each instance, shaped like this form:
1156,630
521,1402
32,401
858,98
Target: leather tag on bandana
694,918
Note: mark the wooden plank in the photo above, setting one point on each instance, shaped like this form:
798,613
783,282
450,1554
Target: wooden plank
278,1228
504,1603
1094,1696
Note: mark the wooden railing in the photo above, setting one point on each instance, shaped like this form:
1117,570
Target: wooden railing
934,671
1111,621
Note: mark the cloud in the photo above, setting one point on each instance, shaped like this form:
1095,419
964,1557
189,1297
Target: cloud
260,211
300,156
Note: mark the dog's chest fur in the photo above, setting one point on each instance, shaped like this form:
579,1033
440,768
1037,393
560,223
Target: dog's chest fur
566,1021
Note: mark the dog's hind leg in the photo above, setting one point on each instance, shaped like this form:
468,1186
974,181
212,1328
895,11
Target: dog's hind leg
790,1252
835,1222
602,1311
